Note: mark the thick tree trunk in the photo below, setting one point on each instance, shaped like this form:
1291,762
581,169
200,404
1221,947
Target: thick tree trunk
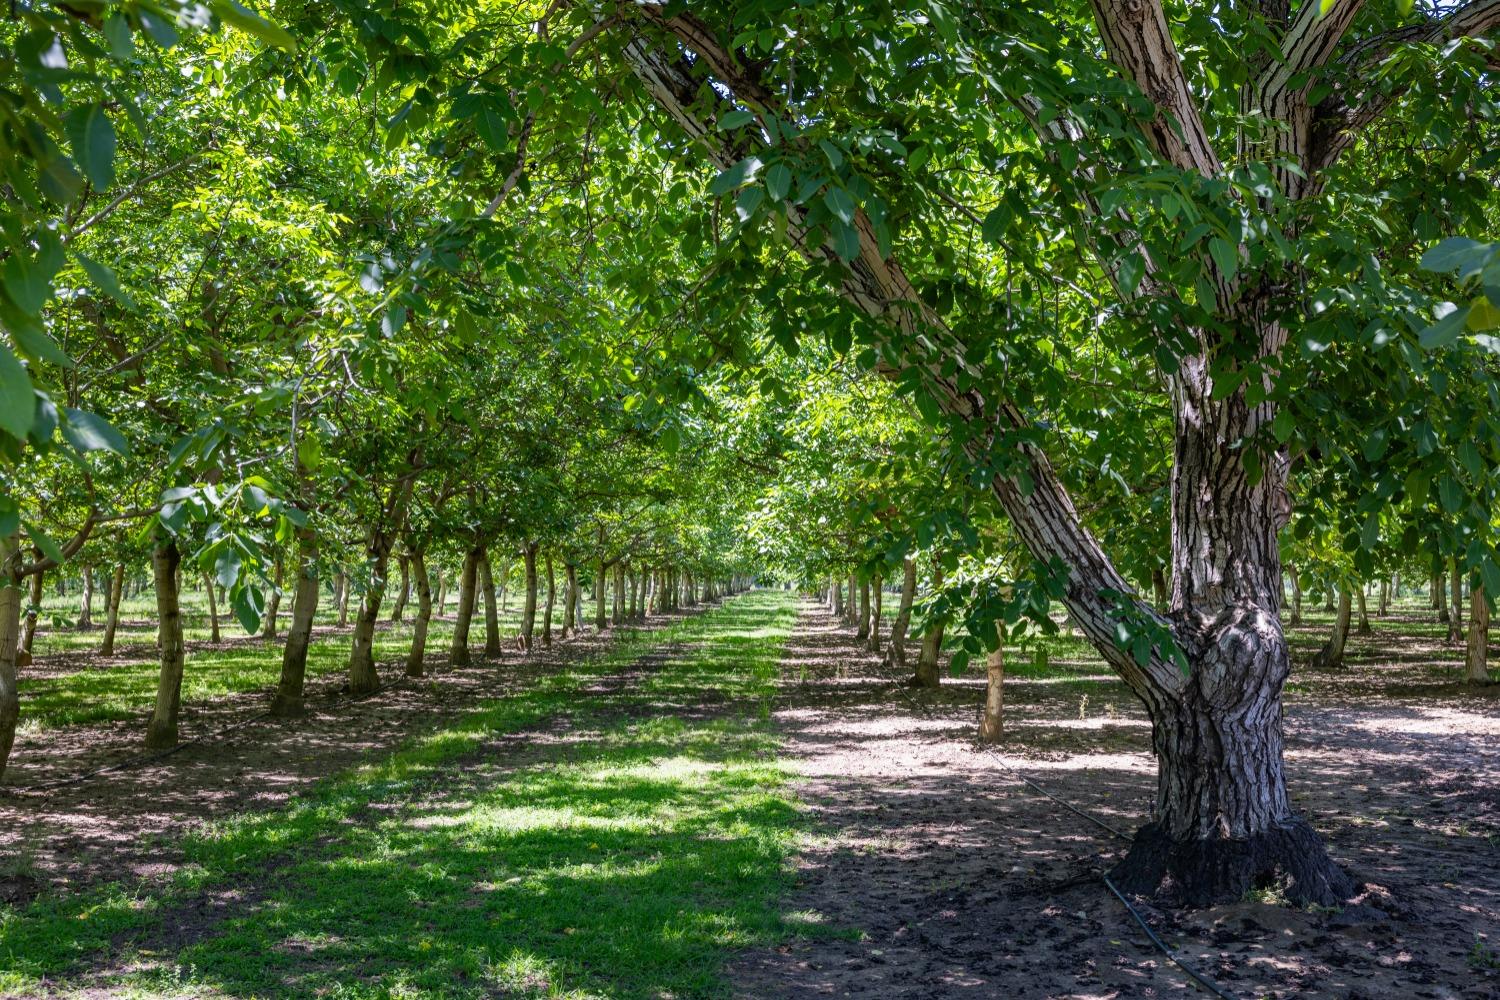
273,604
492,647
161,731
112,610
288,704
838,599
1477,661
86,600
1332,653
213,610
1384,607
875,605
10,644
458,652
398,607
1364,612
1456,615
896,651
992,716
932,644
415,656
863,632
528,611
551,596
851,606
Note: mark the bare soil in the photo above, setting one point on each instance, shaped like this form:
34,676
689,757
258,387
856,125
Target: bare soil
951,878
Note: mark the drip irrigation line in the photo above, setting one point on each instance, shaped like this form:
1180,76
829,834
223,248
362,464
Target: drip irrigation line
1161,945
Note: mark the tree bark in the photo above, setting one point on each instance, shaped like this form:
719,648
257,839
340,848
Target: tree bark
161,731
570,599
1332,653
33,610
458,653
213,610
492,647
875,606
1296,597
10,643
398,607
528,611
1477,661
415,656
442,585
112,610
1456,615
1159,588
1384,607
932,644
992,717
341,597
896,651
551,596
86,600
1364,612
851,606
273,605
838,599
288,703
1440,596
601,621
363,677
863,632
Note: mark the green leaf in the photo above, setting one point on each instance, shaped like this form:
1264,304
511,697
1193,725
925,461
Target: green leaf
117,33
845,241
248,604
44,541
735,119
1450,494
840,204
87,432
233,13
1225,256
1446,330
778,181
105,280
735,176
1453,254
17,400
1132,268
227,566
93,140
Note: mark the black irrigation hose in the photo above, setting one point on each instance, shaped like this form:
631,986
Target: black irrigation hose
1192,973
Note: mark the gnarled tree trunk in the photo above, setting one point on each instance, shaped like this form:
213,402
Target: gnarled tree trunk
161,731
288,703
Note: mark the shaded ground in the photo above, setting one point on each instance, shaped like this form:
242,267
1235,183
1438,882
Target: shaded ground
951,869
123,824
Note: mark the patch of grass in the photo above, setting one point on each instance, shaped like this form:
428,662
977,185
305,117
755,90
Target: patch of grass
622,856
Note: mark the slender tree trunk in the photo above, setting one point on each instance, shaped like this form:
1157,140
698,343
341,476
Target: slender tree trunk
876,601
213,610
161,731
863,632
896,651
10,642
112,610
343,592
1328,602
991,719
577,603
632,582
1159,592
1296,597
601,622
505,585
1364,613
442,585
551,595
1384,608
932,644
617,606
570,599
288,702
398,607
458,654
1477,661
86,600
273,604
528,611
363,677
492,647
851,606
33,610
1440,596
1332,653
416,655
838,599
1456,615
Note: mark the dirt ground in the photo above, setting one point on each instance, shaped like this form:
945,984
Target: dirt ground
124,824
956,880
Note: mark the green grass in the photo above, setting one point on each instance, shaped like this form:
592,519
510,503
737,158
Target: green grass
624,856
124,687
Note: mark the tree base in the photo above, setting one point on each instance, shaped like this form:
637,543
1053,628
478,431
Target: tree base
161,736
284,707
1289,858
